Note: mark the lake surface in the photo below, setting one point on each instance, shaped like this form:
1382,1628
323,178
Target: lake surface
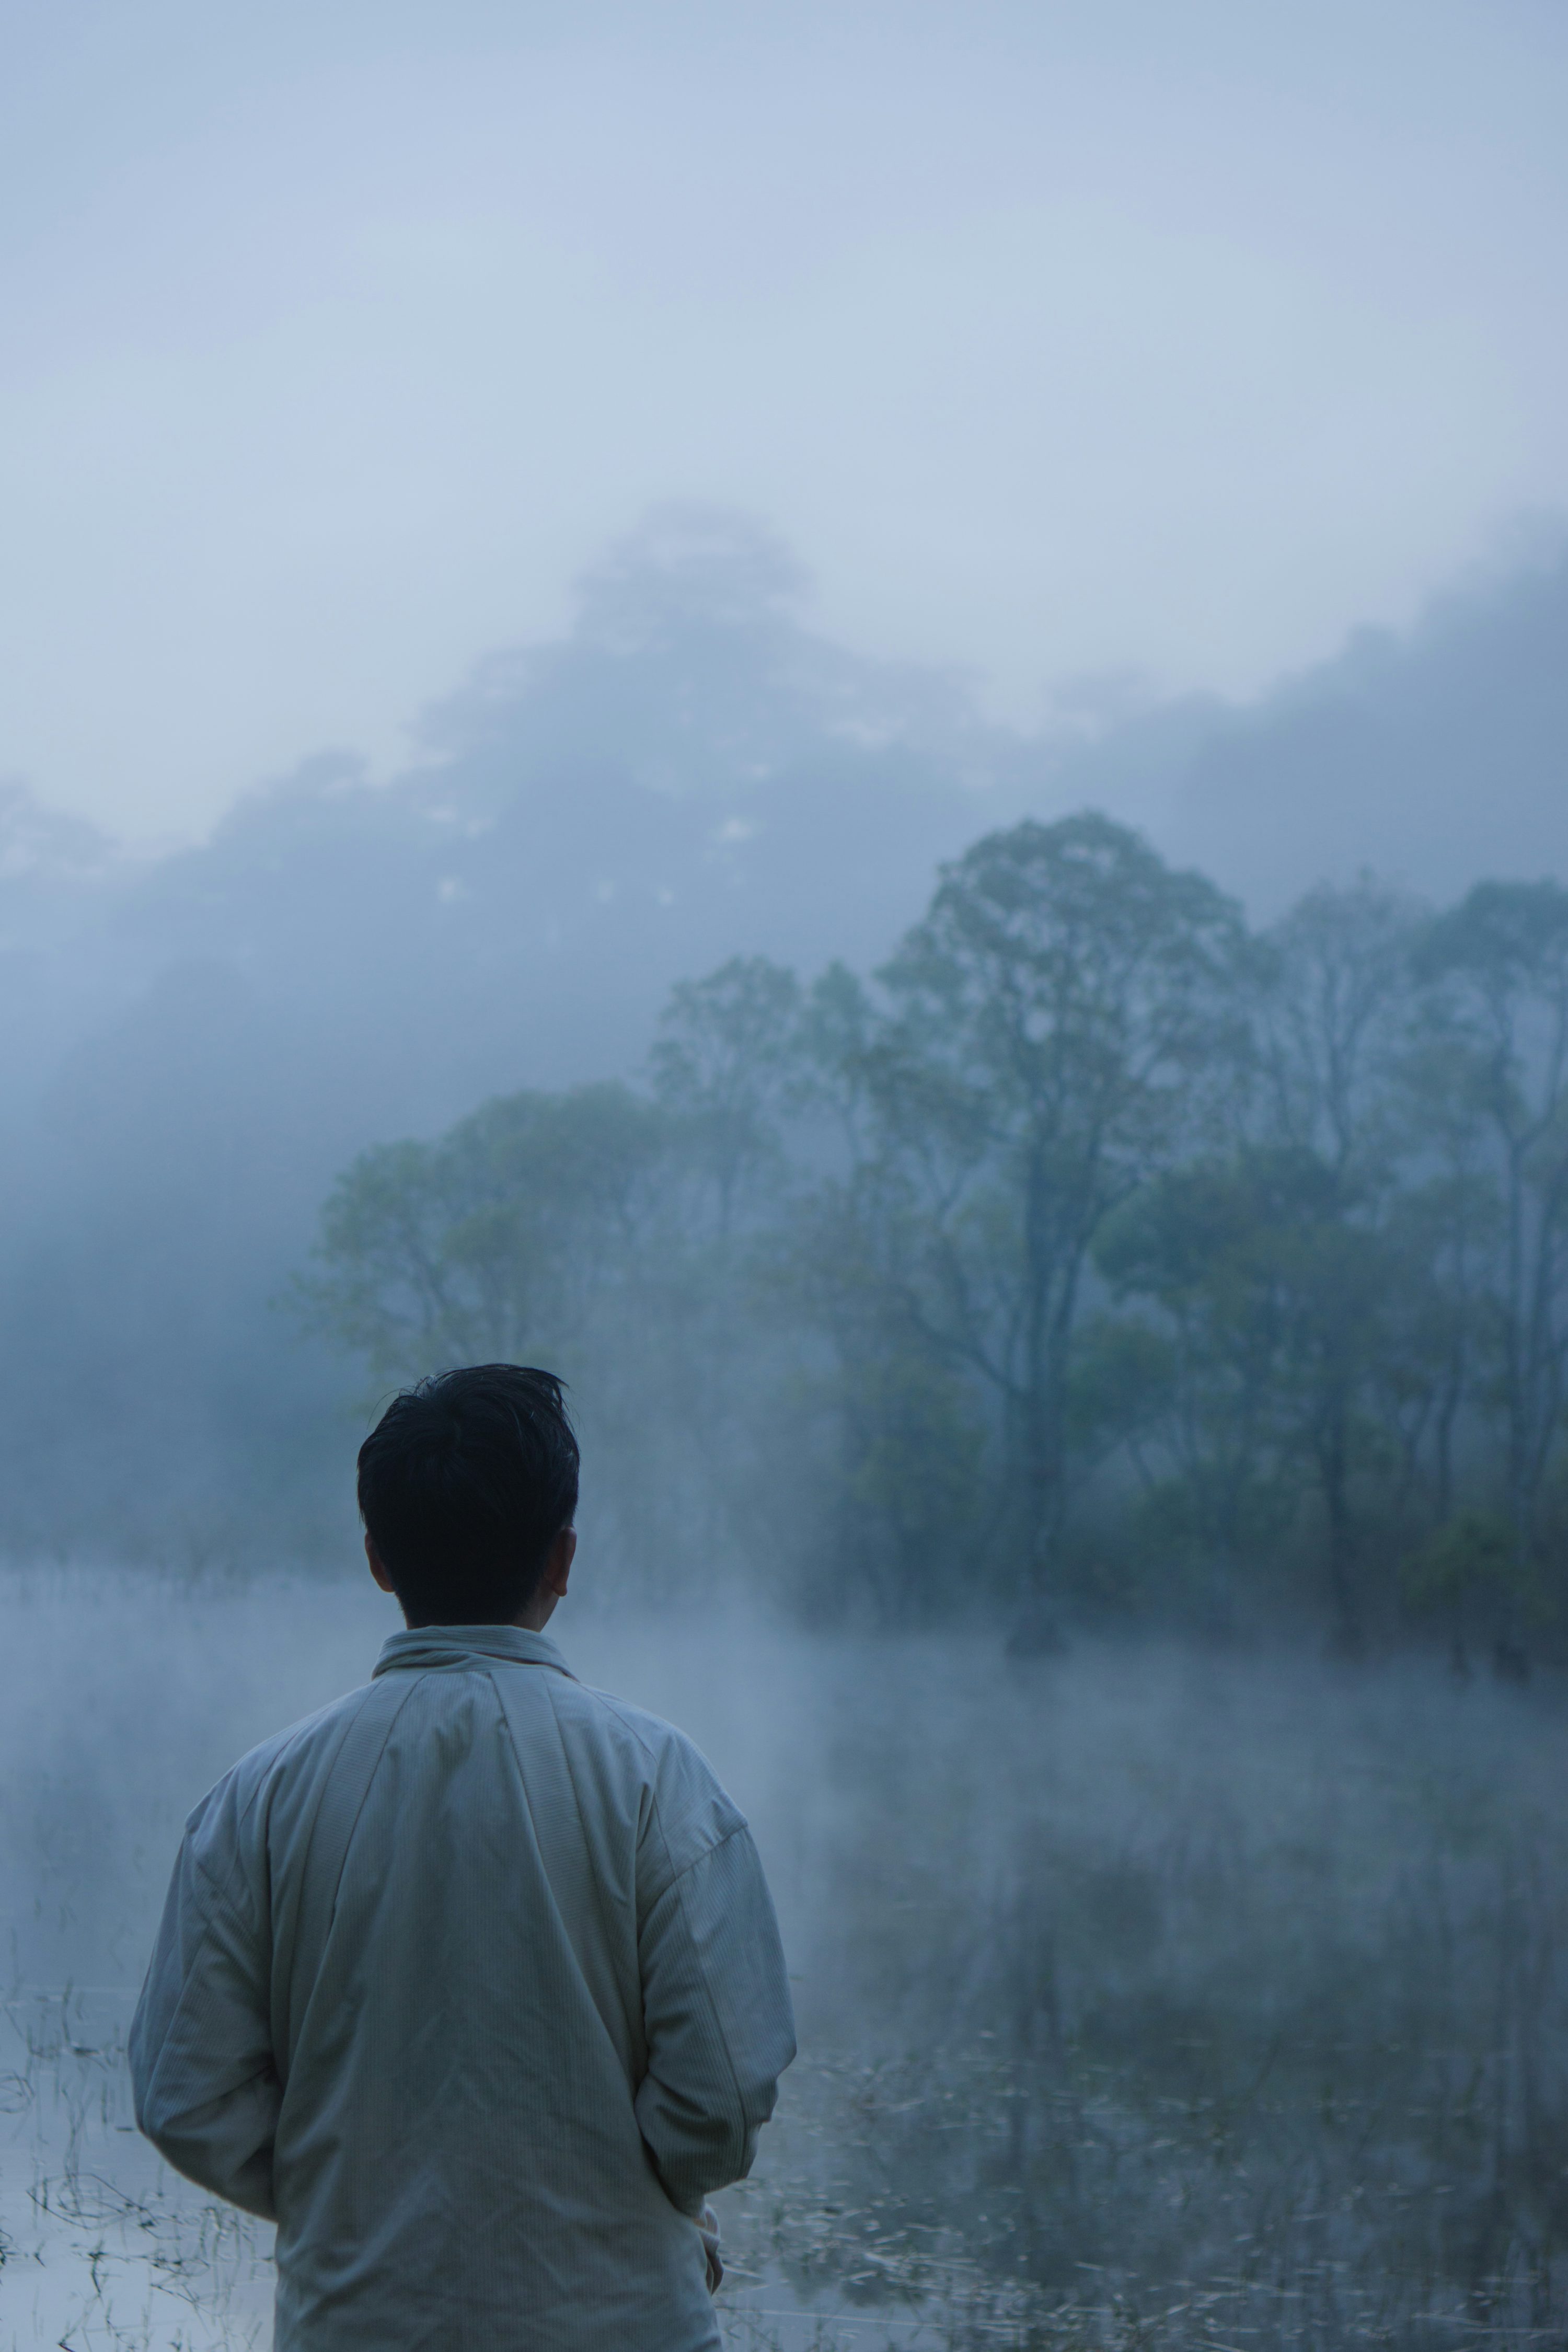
1147,1996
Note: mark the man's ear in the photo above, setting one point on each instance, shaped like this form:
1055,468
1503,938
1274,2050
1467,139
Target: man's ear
558,1562
377,1565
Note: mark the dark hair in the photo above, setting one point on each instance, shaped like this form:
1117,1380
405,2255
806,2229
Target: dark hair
464,1484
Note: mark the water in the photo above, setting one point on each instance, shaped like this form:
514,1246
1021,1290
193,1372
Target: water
1147,1996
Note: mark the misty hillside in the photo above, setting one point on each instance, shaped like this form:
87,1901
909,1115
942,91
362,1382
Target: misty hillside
196,1043
1431,758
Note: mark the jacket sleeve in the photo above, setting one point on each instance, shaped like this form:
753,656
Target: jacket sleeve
718,2021
201,2067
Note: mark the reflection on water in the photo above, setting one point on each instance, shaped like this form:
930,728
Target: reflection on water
1147,1997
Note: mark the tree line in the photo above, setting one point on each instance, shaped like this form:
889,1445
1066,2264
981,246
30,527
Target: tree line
1100,1255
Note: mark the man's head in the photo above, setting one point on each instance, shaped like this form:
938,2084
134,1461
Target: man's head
468,1486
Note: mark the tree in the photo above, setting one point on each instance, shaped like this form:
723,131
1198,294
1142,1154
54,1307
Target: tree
1497,1030
488,1243
723,1067
1062,1021
1087,1189
1440,1330
1468,1570
1334,1023
903,1441
1197,1245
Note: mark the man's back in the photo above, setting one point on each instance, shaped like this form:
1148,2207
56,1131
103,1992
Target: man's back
473,1980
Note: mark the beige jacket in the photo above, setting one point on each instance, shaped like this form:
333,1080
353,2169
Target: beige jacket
473,1983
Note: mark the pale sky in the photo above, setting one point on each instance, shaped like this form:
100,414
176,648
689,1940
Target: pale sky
1169,335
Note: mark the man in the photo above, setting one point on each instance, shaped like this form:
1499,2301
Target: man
471,1981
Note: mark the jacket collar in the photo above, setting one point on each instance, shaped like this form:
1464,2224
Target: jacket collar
424,1647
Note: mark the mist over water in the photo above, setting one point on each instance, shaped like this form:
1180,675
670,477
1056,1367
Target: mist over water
1157,1987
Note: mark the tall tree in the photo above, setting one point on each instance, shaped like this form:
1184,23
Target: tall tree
723,1065
491,1242
901,1493
1334,1023
1277,1300
1498,1024
1202,1244
1061,1022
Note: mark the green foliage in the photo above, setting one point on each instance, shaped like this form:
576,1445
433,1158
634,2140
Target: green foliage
724,1064
1064,1019
1274,1289
1122,1384
1467,1574
1091,1230
1473,1553
1495,1036
486,1245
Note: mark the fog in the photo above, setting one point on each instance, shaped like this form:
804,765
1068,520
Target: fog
1061,342
197,1044
1218,1992
856,725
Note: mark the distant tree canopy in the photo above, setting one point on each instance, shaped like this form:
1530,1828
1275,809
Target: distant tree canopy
1097,1255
